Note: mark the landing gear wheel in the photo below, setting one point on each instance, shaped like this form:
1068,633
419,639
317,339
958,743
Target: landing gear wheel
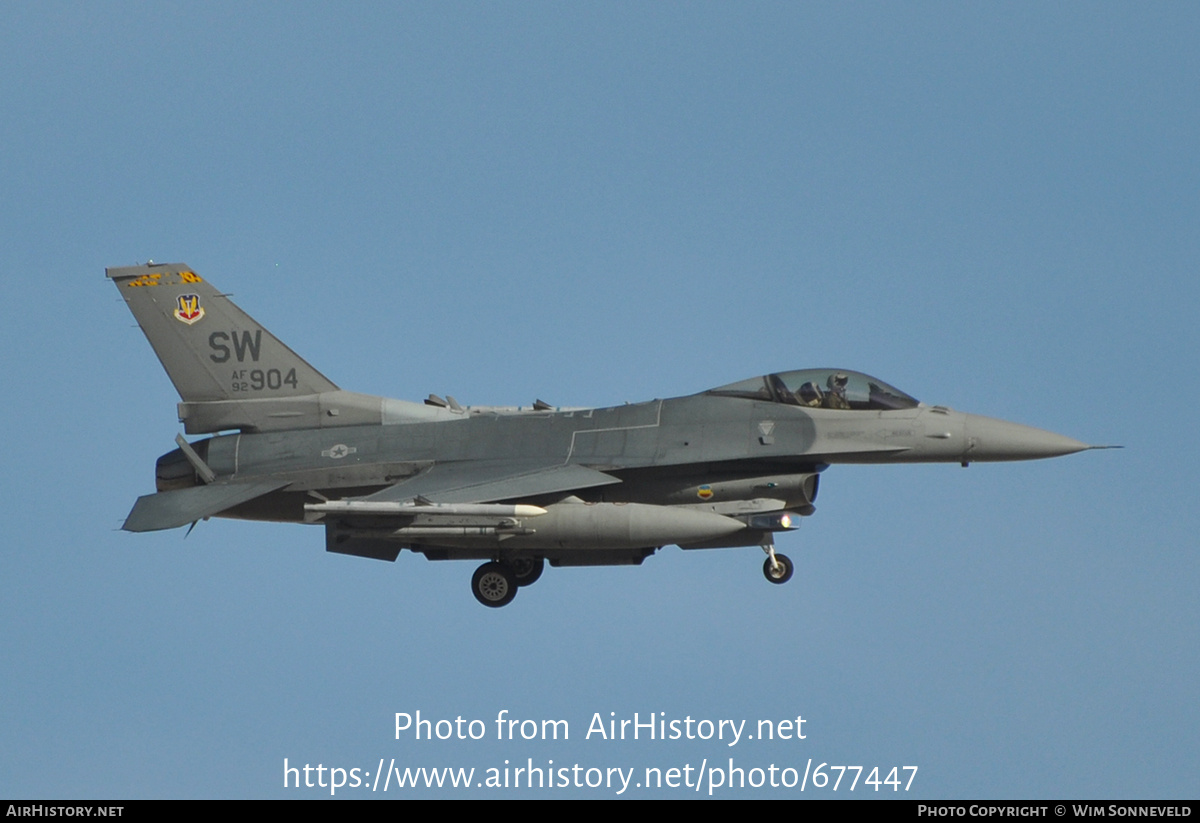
494,585
527,570
781,573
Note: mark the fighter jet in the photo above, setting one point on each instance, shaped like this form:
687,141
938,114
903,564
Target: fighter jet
514,487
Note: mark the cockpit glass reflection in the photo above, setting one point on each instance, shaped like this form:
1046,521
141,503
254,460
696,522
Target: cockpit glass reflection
821,389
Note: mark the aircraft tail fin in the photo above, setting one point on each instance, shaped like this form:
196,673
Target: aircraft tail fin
211,349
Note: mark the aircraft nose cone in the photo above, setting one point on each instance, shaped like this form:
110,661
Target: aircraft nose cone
991,439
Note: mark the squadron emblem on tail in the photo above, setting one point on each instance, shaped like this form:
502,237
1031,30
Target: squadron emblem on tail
188,309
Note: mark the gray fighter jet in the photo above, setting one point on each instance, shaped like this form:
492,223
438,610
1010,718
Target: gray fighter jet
514,487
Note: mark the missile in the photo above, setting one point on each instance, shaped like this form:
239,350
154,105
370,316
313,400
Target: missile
376,508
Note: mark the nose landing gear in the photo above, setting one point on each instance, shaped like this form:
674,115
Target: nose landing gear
777,568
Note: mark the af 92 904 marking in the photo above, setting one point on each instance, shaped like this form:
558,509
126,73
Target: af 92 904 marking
250,380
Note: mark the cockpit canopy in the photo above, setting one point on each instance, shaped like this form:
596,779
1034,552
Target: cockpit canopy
821,389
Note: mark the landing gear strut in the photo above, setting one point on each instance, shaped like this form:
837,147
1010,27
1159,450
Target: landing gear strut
777,568
494,585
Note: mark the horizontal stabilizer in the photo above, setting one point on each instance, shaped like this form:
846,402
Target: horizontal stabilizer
169,510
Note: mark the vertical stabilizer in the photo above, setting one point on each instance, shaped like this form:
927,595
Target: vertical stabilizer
211,349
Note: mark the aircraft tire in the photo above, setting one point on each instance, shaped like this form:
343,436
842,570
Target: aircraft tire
782,574
527,570
494,585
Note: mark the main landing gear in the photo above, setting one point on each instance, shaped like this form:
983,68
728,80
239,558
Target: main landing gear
495,584
777,568
527,569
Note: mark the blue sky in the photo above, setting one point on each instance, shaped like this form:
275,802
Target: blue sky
991,207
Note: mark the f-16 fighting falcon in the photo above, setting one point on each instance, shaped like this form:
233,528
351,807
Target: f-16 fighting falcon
514,487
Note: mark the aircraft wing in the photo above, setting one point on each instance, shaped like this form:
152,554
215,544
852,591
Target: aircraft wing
473,482
169,510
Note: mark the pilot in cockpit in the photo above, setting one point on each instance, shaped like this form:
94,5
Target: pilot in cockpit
835,397
810,394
